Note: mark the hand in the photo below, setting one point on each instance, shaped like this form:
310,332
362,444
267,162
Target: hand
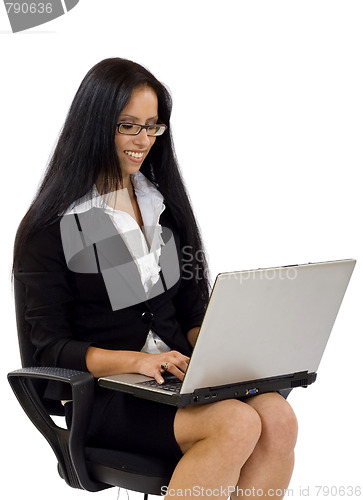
150,365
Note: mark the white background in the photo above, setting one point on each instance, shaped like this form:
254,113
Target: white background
267,124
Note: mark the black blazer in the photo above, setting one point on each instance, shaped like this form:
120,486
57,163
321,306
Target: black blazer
69,311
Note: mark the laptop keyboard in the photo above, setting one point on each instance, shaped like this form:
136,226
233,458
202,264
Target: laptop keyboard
172,384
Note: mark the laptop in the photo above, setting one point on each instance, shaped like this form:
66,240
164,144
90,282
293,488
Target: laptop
264,330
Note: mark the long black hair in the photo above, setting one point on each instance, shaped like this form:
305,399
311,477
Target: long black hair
86,153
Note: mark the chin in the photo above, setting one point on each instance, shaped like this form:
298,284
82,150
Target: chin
129,170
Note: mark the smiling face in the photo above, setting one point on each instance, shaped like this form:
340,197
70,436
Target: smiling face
132,150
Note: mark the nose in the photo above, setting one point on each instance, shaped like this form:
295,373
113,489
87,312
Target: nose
142,138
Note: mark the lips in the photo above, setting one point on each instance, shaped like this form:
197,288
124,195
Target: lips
135,154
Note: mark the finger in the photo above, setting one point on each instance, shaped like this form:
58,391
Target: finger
159,379
176,371
182,365
180,361
175,363
179,365
177,356
183,358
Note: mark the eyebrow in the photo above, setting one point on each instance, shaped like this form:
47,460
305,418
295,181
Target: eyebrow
137,119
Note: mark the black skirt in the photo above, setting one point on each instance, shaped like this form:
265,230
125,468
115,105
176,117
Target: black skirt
124,422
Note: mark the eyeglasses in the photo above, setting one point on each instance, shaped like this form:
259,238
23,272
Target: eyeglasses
134,128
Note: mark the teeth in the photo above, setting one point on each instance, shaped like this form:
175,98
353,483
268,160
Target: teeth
135,155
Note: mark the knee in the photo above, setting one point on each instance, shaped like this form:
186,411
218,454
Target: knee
230,426
239,425
279,424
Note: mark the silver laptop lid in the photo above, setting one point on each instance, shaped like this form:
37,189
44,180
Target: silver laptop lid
267,322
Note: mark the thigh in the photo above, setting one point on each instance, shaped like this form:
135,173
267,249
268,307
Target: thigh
228,417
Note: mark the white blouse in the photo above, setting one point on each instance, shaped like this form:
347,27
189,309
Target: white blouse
143,244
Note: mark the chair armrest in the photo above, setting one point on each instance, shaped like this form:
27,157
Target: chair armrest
68,446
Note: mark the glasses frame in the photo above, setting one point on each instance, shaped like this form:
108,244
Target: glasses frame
146,127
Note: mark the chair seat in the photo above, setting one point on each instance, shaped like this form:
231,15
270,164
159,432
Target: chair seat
132,471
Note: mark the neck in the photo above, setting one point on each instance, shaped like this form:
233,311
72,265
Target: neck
127,184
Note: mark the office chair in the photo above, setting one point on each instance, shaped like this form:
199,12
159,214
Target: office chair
91,469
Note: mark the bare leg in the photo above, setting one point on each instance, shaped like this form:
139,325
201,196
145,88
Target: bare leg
232,444
216,440
270,466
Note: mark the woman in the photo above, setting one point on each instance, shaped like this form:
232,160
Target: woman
114,173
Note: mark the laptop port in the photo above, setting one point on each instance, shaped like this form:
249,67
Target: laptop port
214,395
251,392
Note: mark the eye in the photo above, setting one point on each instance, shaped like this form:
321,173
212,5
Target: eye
128,128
